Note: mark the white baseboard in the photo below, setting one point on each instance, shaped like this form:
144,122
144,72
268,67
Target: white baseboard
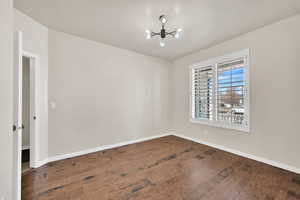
253,157
40,163
25,147
92,150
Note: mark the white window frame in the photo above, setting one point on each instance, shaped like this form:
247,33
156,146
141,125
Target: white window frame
214,62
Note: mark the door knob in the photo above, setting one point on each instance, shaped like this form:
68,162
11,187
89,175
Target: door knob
14,128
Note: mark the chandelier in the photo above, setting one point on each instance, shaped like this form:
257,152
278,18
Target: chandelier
163,33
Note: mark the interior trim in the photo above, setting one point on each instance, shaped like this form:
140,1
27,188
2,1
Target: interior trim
250,156
25,147
101,148
220,147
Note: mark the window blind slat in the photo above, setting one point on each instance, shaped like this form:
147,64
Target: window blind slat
203,92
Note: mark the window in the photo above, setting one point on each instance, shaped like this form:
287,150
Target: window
220,91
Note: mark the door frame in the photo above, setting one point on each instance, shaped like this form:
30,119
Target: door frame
34,115
17,115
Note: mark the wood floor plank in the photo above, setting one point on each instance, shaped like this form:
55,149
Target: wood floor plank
168,168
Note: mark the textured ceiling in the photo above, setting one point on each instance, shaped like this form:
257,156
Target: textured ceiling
122,23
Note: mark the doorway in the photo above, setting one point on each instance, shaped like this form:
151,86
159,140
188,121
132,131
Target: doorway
29,111
26,114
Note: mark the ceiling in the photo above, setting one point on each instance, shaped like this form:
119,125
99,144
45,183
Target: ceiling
122,23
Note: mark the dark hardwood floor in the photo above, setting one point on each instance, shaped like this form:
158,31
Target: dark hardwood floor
168,168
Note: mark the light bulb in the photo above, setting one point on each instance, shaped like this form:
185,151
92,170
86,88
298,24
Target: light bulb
148,34
177,34
162,43
163,19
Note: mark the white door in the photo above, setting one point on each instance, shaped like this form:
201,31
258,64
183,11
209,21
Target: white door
17,115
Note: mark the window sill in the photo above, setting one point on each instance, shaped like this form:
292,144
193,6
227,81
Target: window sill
221,125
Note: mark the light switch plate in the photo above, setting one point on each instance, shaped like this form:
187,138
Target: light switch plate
52,105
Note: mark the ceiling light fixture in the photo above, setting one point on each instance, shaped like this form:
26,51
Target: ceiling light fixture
163,33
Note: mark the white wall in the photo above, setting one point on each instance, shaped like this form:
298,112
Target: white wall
103,95
6,99
26,103
140,99
35,41
275,95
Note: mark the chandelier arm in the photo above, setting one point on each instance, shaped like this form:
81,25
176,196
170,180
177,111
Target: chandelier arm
173,33
154,34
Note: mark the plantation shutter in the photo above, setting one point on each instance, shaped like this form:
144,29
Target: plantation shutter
202,93
231,92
